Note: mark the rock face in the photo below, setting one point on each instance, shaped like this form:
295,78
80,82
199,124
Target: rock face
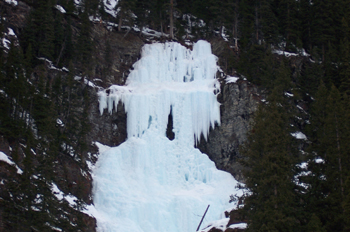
239,101
114,54
120,52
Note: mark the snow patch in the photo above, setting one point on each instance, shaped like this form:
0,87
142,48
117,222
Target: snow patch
319,161
11,32
219,224
230,79
222,225
86,81
50,64
6,159
110,6
61,9
53,227
12,2
149,32
299,135
303,165
72,200
238,226
57,192
284,53
289,94
59,122
301,52
6,43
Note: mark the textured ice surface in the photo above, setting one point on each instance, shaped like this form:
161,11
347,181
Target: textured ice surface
149,183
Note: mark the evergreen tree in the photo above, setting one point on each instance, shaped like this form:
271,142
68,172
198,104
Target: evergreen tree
247,24
69,51
59,40
288,13
315,225
330,123
16,99
258,65
306,18
85,44
346,205
345,57
144,11
336,157
269,22
325,24
270,159
314,196
40,30
125,8
47,33
312,74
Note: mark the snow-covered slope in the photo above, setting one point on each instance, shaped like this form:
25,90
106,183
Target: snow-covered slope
150,183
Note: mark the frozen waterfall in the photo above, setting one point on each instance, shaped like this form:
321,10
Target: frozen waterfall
150,183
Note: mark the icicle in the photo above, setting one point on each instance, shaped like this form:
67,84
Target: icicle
166,71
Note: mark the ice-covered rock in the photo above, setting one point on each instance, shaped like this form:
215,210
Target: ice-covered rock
150,183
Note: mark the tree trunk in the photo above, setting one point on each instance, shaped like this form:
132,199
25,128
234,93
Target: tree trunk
257,23
235,30
61,51
161,23
171,19
288,24
339,158
275,192
120,21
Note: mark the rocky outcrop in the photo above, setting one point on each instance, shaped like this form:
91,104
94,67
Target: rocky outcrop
239,101
114,54
17,13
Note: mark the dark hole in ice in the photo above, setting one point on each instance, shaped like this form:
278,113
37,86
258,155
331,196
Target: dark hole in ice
169,129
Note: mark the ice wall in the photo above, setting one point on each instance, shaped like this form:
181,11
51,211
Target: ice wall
149,183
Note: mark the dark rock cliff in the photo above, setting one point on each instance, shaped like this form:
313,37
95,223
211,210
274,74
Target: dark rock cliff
238,101
124,51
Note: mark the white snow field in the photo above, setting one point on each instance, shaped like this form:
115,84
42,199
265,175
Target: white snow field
150,183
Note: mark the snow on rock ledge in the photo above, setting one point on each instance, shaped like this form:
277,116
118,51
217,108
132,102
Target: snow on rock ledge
6,159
